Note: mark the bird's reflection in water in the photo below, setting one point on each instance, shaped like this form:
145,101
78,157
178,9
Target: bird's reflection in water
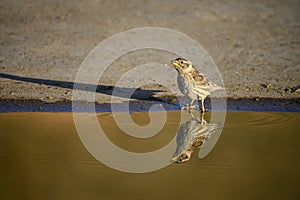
191,136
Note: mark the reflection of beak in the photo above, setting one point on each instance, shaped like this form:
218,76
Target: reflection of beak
174,159
175,63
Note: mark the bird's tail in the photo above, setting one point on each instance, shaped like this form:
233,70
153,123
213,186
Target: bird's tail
215,87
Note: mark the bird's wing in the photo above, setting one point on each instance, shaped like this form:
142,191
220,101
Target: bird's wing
204,82
199,79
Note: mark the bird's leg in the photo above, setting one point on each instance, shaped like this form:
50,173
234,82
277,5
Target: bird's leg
193,117
202,117
186,107
191,104
202,106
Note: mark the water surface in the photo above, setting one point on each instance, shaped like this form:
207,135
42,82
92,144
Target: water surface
256,157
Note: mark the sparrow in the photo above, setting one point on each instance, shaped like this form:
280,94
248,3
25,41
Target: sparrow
191,83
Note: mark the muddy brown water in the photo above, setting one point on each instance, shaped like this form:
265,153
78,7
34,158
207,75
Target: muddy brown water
256,157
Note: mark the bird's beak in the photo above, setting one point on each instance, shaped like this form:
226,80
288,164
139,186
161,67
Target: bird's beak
175,63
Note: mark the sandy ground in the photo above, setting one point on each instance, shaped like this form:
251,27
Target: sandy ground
255,44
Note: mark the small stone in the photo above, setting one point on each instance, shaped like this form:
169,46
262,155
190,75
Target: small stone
236,45
174,100
269,85
285,103
266,85
295,89
263,85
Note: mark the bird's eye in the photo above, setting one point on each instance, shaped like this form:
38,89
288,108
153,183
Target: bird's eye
181,62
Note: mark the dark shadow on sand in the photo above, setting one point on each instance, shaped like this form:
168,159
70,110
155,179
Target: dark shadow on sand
138,94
